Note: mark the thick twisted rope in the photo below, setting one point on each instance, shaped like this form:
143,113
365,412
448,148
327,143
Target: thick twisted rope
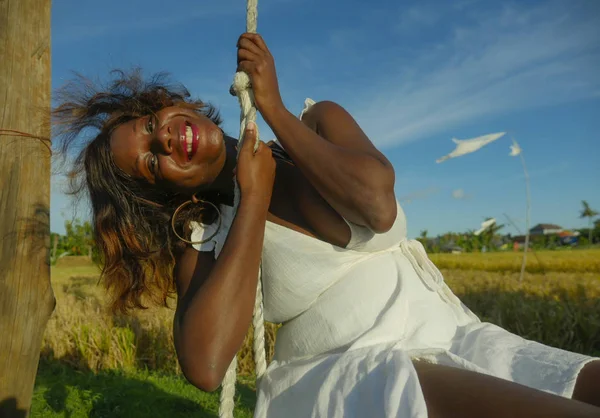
243,90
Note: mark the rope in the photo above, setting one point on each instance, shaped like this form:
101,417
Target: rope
243,90
12,132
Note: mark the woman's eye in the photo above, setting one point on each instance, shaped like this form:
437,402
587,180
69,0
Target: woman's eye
152,164
150,124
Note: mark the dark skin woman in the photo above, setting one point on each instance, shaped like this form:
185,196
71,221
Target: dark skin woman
142,166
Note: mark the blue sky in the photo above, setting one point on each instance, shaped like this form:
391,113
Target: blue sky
413,74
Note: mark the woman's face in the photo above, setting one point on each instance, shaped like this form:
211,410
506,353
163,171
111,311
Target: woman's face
177,149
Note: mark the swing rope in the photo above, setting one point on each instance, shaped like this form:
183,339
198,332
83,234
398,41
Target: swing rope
242,88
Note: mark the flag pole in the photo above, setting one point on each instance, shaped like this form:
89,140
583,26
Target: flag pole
509,219
467,146
527,210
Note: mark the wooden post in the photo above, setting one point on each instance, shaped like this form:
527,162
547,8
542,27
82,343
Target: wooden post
26,297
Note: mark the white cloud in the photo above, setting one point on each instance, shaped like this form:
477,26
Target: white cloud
459,194
418,195
519,59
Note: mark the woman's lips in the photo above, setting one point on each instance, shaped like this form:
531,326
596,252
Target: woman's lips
195,140
184,142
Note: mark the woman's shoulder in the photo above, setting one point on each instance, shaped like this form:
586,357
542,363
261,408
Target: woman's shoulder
363,239
314,111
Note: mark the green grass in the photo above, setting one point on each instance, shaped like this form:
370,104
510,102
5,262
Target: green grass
61,274
61,391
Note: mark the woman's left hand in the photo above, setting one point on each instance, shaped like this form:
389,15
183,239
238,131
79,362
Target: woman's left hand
255,59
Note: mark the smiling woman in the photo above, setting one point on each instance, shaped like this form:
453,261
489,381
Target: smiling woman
163,148
370,327
139,124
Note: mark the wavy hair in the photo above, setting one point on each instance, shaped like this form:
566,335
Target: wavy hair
131,218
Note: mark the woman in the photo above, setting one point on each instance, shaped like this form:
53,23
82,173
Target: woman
370,328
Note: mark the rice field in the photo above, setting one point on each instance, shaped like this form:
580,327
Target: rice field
540,262
558,303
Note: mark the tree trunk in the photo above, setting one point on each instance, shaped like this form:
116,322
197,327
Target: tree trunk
26,297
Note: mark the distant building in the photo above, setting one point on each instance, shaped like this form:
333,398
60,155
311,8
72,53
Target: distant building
518,242
451,248
519,239
569,237
562,236
545,229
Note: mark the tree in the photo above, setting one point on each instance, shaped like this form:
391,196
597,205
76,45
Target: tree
424,240
26,297
588,212
490,234
76,241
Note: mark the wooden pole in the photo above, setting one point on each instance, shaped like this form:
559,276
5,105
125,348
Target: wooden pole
527,216
26,297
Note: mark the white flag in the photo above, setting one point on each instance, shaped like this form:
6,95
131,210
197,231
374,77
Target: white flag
485,225
467,146
515,149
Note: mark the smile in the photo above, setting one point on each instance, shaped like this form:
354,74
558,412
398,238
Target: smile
190,139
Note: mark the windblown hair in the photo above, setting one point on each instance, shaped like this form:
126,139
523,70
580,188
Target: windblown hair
131,218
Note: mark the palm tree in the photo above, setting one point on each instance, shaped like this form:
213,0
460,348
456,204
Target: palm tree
588,212
487,236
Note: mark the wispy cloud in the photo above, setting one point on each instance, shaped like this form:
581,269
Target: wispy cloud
497,63
117,19
459,194
119,27
419,15
534,174
418,195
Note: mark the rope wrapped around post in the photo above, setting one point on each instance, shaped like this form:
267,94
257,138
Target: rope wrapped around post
242,88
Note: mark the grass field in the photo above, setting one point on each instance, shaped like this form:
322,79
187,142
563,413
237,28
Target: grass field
62,391
567,261
97,365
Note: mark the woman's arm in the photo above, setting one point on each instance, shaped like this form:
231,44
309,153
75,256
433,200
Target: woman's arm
335,155
216,298
340,161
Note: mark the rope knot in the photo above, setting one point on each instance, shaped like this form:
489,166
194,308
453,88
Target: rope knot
241,82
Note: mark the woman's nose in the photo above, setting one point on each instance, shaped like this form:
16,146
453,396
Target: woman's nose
165,138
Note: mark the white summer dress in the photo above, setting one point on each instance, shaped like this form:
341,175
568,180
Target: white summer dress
355,318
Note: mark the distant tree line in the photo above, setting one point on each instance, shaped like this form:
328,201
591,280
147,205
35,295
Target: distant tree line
77,240
491,239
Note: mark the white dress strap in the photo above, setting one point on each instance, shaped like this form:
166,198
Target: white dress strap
308,103
430,275
201,231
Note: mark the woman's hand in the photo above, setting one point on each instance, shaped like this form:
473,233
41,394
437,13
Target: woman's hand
255,171
256,60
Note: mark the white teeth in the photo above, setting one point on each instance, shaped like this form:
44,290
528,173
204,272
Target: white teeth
188,138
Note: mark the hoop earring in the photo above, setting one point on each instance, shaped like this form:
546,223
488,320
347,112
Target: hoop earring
184,204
